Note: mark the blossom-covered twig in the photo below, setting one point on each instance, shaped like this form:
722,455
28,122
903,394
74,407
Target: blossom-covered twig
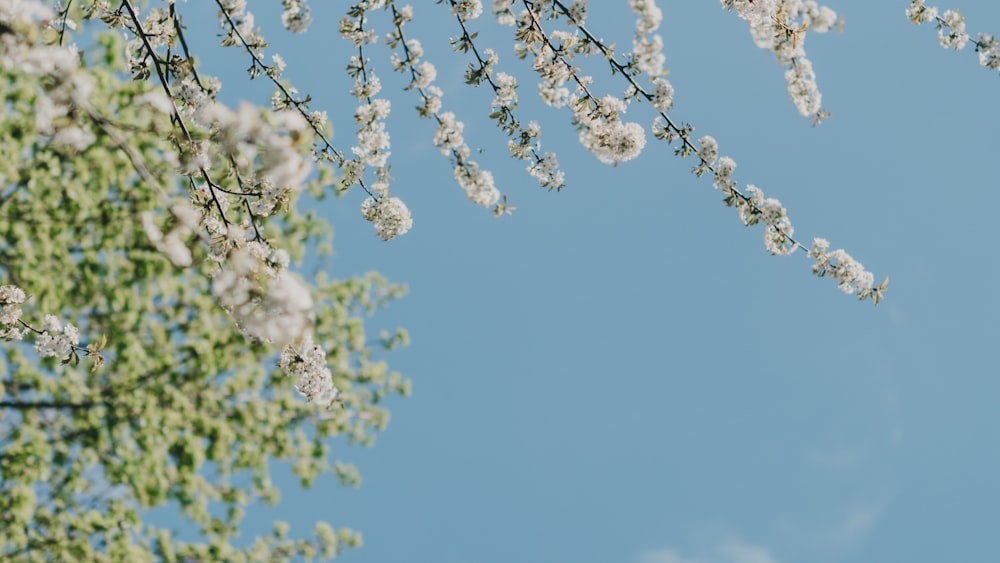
780,26
951,32
524,144
477,182
54,339
752,206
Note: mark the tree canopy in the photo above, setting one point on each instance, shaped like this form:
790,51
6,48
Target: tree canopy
164,344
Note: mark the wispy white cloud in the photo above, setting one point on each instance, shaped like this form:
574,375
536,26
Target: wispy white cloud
861,520
727,551
664,556
735,551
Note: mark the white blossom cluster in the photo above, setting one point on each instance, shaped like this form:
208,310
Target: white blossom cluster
524,143
663,95
604,134
67,85
260,143
951,32
749,205
577,12
951,24
602,130
373,140
780,26
708,150
545,169
753,208
306,362
14,11
802,88
502,12
477,183
158,31
647,46
919,13
56,339
553,71
989,51
724,169
238,22
174,242
295,15
467,9
389,215
10,314
269,304
506,87
851,276
757,13
778,230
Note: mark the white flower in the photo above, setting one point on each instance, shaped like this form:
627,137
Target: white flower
918,13
756,12
73,137
802,87
723,173
10,297
295,16
268,305
478,184
449,133
708,150
389,215
467,9
423,74
613,141
578,12
306,362
955,37
506,95
235,8
749,207
56,340
851,276
778,230
663,95
156,100
501,9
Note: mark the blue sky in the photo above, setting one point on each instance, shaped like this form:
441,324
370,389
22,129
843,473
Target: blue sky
620,372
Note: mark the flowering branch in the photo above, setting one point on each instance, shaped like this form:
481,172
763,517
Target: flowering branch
285,98
612,141
522,145
780,26
951,32
477,183
53,340
141,34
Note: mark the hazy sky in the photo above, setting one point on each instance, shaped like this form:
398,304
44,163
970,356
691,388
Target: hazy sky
620,372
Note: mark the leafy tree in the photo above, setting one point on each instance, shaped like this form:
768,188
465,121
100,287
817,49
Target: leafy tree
138,391
162,349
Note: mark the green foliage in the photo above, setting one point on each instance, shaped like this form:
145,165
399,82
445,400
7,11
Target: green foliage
185,411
